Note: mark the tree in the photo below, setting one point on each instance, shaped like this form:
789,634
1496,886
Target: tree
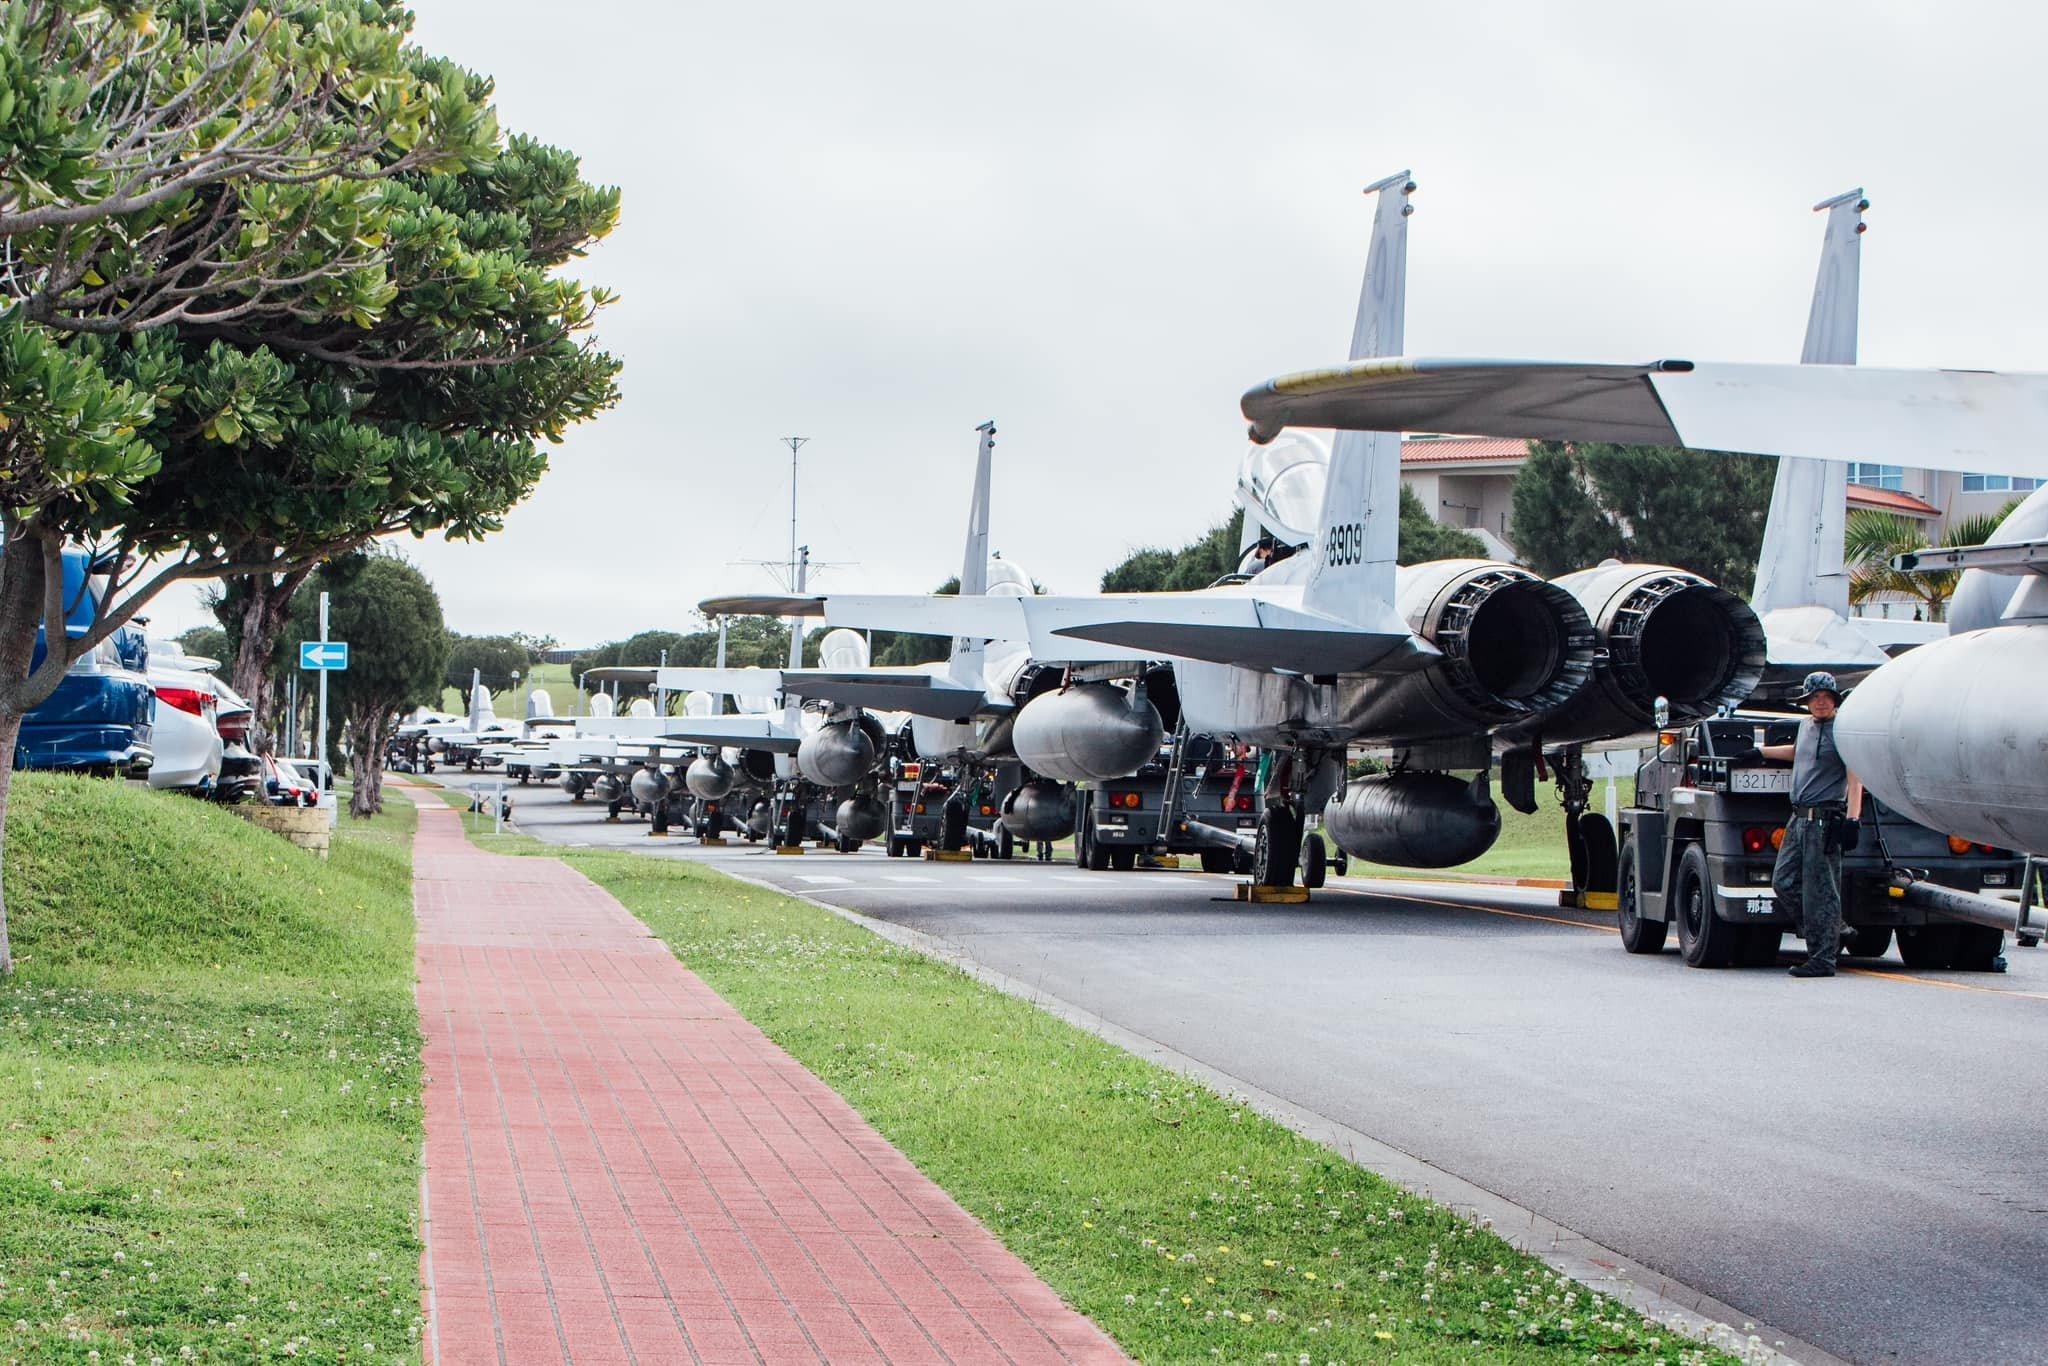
207,642
1871,538
1424,538
198,438
495,657
397,653
1577,504
1214,554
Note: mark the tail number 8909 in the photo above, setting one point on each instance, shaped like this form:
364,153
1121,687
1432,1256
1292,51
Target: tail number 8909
1345,544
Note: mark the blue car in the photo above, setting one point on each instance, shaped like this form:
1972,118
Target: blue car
98,719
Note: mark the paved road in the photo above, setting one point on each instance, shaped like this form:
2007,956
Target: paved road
1854,1161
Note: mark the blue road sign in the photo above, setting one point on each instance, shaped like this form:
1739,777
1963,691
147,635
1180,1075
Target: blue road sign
323,654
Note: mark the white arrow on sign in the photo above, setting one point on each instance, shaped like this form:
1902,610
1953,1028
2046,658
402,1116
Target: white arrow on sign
323,654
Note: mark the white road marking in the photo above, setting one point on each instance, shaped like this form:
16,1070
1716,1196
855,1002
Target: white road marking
909,880
993,877
823,879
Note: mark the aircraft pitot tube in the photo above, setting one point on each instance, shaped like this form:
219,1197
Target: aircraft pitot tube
709,777
1087,733
861,818
1414,820
1514,648
1668,633
1039,810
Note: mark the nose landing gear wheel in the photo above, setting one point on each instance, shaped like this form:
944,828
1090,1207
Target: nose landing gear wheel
1314,861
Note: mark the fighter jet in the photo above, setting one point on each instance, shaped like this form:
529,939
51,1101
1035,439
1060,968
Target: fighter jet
1949,733
1313,652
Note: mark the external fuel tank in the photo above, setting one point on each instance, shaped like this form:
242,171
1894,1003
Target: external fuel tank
1090,732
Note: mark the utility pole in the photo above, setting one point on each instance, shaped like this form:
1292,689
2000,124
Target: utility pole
795,443
322,755
801,568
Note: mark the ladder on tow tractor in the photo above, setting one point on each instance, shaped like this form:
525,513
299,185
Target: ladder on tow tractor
1174,769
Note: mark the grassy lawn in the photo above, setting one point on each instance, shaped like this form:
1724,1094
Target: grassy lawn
209,1085
1187,1226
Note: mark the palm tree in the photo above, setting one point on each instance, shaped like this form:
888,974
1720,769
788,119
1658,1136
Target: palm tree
1870,539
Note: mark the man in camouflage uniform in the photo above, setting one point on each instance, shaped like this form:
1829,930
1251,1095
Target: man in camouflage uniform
1826,801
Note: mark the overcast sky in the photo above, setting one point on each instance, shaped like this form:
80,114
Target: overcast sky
1098,224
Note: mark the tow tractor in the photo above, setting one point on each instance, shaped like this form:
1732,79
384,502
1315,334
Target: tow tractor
1698,847
947,809
1200,797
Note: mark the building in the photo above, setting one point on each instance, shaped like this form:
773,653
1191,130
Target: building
1468,482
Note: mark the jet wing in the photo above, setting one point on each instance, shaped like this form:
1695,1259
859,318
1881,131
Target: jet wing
909,689
739,732
641,676
763,605
1977,421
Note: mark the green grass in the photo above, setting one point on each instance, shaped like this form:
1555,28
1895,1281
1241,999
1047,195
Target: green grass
1186,1225
209,1084
556,678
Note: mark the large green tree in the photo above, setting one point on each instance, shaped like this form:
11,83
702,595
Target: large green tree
1580,503
496,658
398,651
391,366
1871,538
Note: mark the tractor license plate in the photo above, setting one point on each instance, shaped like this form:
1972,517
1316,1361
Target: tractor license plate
1760,780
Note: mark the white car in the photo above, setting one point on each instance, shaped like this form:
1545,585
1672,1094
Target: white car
184,717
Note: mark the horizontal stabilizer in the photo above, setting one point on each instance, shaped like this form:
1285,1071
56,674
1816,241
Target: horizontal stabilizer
763,605
1975,421
639,676
911,688
1224,628
2011,557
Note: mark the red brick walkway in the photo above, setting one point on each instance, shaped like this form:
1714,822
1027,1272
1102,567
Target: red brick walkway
621,1169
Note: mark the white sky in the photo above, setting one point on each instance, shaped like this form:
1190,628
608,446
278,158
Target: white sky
879,225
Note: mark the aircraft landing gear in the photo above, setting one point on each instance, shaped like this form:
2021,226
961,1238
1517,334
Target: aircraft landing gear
1588,835
1279,846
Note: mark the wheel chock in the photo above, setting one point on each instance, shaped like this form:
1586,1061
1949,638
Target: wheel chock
657,834
1272,896
949,856
1170,862
713,840
789,849
1589,901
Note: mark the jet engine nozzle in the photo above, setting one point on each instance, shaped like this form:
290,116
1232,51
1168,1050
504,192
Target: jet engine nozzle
836,754
1514,648
861,818
651,786
1668,633
1039,810
1087,733
709,776
1414,820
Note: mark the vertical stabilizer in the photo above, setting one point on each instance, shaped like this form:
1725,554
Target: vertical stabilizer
480,710
1800,564
965,661
1361,517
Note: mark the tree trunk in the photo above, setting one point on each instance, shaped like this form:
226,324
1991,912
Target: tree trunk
21,611
367,740
264,611
10,732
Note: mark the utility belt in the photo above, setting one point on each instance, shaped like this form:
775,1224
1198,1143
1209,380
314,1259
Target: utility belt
1831,811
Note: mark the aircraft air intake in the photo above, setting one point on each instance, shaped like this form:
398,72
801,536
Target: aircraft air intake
1668,633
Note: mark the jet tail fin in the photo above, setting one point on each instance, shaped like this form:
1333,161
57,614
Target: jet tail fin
1800,563
1360,521
964,662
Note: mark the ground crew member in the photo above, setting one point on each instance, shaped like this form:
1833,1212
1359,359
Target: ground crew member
1826,801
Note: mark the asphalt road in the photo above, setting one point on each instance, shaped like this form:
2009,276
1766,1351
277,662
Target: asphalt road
1855,1161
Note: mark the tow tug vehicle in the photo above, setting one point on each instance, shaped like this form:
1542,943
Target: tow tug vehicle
1698,846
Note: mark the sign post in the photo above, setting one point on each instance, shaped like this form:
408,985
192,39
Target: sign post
322,755
323,656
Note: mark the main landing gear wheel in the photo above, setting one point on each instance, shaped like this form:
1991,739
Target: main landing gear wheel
1315,865
1706,940
1596,844
1278,849
1637,934
953,826
1006,845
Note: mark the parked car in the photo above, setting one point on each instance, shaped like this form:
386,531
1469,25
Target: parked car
286,784
241,769
99,718
186,729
